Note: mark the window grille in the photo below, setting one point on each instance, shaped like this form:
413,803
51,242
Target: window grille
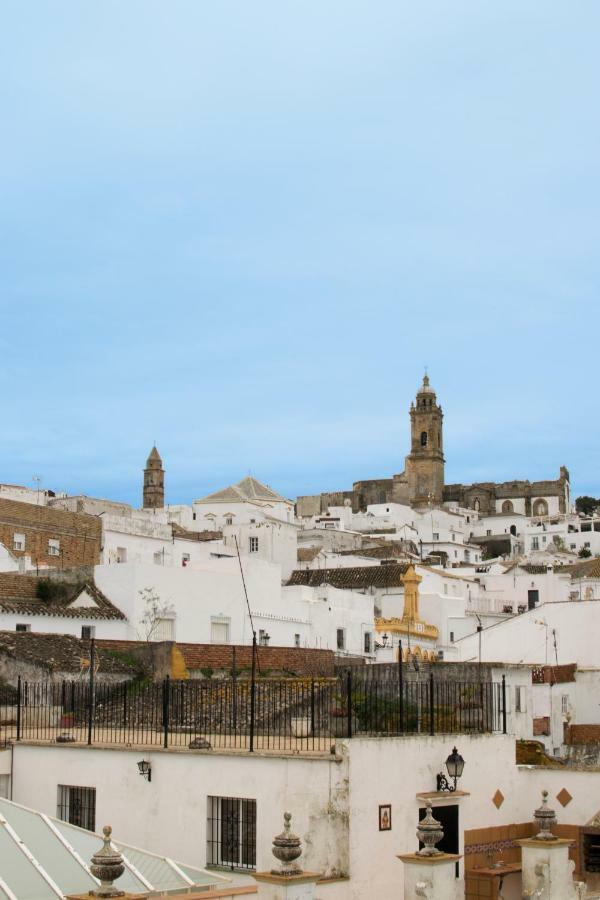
53,548
88,632
18,541
231,833
77,805
341,639
253,545
22,626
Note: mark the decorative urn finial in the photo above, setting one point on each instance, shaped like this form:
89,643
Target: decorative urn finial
107,865
287,848
430,833
545,818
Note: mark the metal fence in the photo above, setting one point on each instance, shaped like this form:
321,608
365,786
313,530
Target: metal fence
265,714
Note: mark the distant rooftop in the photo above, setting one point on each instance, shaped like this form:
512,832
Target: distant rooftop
248,489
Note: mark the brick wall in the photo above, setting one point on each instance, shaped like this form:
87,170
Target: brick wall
541,725
219,658
79,535
582,734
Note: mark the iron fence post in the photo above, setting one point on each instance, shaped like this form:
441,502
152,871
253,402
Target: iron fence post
253,691
504,704
349,700
19,708
312,707
91,691
431,705
400,690
166,699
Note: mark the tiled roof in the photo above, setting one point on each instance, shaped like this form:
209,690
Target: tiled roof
248,488
353,577
59,652
530,568
185,535
307,554
12,512
387,550
18,594
590,568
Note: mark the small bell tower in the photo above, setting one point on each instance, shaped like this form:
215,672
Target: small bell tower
425,462
154,481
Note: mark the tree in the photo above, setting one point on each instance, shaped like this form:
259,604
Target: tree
154,612
584,553
586,505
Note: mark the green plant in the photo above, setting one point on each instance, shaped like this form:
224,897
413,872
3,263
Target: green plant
584,553
208,672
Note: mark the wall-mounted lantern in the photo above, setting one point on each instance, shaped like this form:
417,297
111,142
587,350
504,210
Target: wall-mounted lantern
454,766
145,769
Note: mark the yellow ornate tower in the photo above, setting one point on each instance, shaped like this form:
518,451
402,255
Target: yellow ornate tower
425,462
410,625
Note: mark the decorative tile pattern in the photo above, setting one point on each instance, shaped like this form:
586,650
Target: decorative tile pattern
498,799
564,797
494,846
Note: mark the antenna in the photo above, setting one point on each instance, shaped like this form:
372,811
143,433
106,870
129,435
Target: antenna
246,596
38,480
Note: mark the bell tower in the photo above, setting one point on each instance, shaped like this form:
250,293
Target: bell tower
154,481
425,462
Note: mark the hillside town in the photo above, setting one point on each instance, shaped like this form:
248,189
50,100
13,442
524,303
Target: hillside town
188,673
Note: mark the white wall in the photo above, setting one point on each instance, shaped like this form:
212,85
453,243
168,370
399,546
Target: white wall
113,629
522,639
334,803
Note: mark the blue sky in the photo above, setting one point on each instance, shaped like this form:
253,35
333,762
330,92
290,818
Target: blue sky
243,229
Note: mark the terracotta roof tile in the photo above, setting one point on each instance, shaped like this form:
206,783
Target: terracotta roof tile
18,594
353,577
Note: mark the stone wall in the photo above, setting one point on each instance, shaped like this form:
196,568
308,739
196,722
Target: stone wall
79,535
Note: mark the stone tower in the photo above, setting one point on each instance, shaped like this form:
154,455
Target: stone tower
425,462
154,481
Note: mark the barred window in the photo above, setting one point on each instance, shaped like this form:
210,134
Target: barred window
77,805
253,545
231,833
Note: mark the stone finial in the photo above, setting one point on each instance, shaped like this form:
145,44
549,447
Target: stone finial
545,818
430,833
107,866
287,848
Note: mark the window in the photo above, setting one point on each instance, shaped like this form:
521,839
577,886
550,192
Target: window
341,638
18,541
489,532
540,508
535,543
296,640
564,704
587,544
231,833
121,554
453,536
159,558
219,630
229,520
456,554
21,626
164,630
451,637
368,642
436,535
263,637
573,546
53,548
77,805
194,516
185,558
88,632
253,545
520,698
423,439
445,588
507,507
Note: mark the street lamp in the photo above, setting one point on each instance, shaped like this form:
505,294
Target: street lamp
385,638
454,765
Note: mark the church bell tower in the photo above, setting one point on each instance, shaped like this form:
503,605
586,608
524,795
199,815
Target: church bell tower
425,462
154,481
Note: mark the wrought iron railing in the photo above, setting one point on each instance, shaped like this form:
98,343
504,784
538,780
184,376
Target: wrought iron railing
267,714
